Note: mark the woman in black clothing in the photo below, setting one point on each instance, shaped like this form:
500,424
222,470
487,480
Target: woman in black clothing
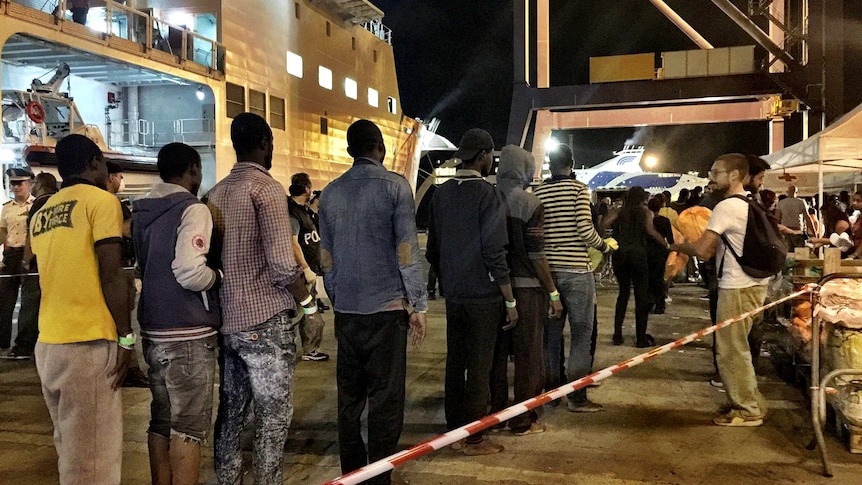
633,225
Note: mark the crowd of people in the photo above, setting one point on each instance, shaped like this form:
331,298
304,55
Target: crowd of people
228,285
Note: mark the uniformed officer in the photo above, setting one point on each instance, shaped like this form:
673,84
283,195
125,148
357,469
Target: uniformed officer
13,235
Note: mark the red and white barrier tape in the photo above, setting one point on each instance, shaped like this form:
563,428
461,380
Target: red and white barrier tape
382,466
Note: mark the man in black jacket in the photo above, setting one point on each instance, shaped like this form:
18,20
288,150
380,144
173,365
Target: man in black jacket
467,239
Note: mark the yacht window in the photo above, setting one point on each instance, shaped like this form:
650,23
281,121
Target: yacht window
276,113
324,77
294,64
235,100
257,103
372,97
392,105
350,88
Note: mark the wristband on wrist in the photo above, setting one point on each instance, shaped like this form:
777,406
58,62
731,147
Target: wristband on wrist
511,304
127,341
306,301
555,295
310,310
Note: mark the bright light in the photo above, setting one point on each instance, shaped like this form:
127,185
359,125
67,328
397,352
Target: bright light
551,145
372,97
324,77
294,64
651,161
200,93
350,88
6,155
181,18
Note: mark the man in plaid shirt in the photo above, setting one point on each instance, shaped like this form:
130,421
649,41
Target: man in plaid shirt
252,235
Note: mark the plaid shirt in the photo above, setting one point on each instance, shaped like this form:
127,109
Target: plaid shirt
251,233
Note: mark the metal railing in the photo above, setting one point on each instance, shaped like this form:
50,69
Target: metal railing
140,27
155,133
377,28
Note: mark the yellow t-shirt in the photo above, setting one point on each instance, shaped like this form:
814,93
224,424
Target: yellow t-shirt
63,235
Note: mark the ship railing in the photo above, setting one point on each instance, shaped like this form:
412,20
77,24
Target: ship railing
129,29
157,133
377,28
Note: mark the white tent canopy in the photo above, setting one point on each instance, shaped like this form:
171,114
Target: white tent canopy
838,147
832,154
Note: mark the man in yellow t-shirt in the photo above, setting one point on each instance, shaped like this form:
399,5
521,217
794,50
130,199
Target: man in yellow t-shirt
77,238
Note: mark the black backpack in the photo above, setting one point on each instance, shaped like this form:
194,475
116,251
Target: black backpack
763,250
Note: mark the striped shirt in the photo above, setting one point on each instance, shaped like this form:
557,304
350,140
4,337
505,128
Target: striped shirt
252,235
569,229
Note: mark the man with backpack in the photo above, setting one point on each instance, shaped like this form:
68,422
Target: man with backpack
748,249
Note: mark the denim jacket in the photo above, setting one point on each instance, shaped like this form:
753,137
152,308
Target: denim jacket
369,247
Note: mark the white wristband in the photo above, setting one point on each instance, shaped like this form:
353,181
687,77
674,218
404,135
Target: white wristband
511,304
310,310
307,300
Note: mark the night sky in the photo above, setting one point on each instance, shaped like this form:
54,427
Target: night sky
454,62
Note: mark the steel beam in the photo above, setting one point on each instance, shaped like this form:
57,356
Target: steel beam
754,31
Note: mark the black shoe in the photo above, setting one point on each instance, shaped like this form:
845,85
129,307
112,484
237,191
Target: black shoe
17,354
659,310
136,378
432,295
648,341
322,306
617,340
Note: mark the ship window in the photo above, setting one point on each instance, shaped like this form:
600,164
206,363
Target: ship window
296,9
372,97
276,113
257,103
324,125
328,29
353,43
392,105
350,88
294,64
375,55
234,100
324,77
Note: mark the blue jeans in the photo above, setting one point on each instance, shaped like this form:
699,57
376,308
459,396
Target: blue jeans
578,295
258,367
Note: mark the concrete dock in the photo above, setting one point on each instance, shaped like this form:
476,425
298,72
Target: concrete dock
656,427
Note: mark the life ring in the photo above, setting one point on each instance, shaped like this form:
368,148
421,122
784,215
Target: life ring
35,112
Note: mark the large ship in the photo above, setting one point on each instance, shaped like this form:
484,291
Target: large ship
143,73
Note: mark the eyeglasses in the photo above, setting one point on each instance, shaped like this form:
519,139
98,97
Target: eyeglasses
710,173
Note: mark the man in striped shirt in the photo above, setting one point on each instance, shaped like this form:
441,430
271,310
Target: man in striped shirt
569,231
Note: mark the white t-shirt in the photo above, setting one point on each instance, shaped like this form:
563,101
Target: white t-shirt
729,218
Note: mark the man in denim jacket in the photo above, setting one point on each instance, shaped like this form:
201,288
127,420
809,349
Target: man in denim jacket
373,275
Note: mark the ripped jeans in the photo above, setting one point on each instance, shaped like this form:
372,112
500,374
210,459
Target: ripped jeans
258,368
181,380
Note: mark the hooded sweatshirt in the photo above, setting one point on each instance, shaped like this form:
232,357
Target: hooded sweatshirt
525,215
172,231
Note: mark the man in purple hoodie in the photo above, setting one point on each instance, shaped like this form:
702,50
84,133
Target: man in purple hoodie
178,312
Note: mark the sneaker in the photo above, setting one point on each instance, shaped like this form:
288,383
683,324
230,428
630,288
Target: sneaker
668,299
497,428
596,384
705,297
738,418
432,295
315,356
136,378
534,428
587,407
16,354
458,445
484,447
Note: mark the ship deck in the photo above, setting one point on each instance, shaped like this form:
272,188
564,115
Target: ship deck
656,425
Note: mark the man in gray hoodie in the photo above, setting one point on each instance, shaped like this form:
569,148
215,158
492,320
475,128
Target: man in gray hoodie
533,287
178,312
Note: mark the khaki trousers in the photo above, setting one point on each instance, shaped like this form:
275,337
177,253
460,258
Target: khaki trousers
733,354
87,414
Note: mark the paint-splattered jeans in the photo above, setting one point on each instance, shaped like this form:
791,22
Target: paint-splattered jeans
258,367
